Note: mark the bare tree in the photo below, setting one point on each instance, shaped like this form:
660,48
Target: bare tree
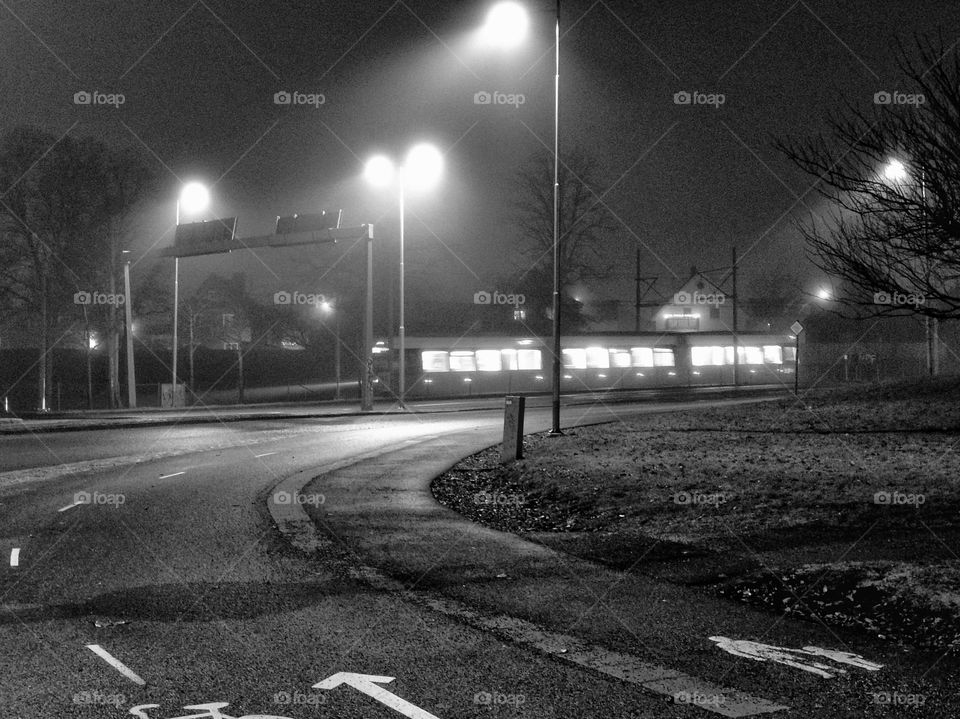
585,224
891,178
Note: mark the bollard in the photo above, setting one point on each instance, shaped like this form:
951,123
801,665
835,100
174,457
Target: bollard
512,429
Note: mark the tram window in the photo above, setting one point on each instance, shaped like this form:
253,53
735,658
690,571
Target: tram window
789,354
488,360
663,357
703,356
750,355
435,361
575,358
598,358
642,356
619,358
509,358
728,354
772,354
462,361
529,359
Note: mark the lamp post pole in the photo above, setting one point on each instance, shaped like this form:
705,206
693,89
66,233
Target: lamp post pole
128,313
402,384
555,430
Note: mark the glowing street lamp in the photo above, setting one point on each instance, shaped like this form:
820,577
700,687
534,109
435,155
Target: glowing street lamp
506,26
193,199
421,170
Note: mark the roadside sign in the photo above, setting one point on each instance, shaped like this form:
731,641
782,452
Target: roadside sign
206,238
796,328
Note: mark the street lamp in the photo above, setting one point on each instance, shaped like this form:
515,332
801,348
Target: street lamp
329,307
506,24
421,169
193,199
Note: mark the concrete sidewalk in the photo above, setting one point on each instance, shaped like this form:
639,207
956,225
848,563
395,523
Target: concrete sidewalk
380,512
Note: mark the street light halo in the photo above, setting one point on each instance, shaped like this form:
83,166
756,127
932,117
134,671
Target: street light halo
895,171
194,197
379,171
423,166
506,24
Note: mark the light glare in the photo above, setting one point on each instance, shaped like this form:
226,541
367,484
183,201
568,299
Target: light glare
423,166
194,197
379,171
895,171
506,25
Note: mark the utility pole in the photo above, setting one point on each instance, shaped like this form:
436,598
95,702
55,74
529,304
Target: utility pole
736,359
636,303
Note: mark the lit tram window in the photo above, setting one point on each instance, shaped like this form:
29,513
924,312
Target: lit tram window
789,354
703,356
772,354
462,361
529,359
598,358
750,355
488,360
509,358
575,358
663,357
728,354
435,361
619,358
642,356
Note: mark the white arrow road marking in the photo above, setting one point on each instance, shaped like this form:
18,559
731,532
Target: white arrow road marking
15,557
368,684
175,474
795,657
70,506
115,663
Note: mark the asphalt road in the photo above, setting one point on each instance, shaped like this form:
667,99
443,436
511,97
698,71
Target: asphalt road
171,584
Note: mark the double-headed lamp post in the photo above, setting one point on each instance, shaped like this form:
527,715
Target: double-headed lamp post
506,25
421,170
193,199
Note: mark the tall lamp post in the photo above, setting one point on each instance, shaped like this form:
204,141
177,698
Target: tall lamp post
193,198
506,24
328,307
422,168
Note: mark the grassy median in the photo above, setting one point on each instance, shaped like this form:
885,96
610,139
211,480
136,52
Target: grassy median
840,505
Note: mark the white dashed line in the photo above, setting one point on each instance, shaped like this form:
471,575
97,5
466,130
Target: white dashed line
69,506
175,474
15,557
265,454
115,663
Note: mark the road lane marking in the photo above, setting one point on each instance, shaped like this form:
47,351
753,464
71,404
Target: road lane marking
15,557
796,658
265,454
115,663
369,684
70,506
175,474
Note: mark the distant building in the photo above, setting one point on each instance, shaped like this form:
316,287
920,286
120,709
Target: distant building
698,305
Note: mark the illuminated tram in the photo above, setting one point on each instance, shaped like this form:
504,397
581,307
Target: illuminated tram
495,365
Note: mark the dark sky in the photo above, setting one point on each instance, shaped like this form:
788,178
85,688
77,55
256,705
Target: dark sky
199,80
